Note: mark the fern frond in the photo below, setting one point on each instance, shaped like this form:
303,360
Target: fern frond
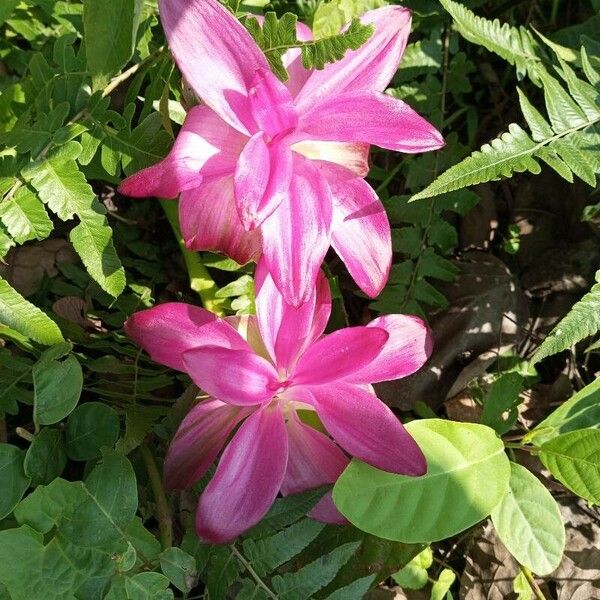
515,45
278,35
582,321
568,141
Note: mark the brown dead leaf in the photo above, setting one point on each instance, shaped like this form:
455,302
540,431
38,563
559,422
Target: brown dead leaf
487,311
27,265
74,310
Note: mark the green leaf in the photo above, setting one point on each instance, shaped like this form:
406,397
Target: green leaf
355,590
269,553
110,29
581,411
442,585
47,505
139,420
278,34
46,457
13,481
303,584
63,187
57,385
110,505
330,17
25,217
574,459
7,8
582,321
90,427
414,575
529,523
148,586
502,397
22,316
180,568
467,476
515,45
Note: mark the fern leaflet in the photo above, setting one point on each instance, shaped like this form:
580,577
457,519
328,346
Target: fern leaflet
515,45
567,141
582,321
278,35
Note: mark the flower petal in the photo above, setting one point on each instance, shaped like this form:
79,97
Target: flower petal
209,221
262,179
198,440
354,157
168,330
247,479
367,429
372,118
297,235
314,459
408,347
361,230
272,104
240,377
205,147
285,329
371,67
216,55
338,355
326,512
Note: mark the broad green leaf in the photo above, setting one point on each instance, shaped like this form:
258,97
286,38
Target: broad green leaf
90,427
57,385
13,481
467,476
581,411
574,459
110,28
139,420
148,586
47,505
6,9
529,522
25,217
22,316
46,457
180,568
414,575
32,571
303,584
63,187
110,505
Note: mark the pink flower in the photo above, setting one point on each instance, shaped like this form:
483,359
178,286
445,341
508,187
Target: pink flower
283,364
277,169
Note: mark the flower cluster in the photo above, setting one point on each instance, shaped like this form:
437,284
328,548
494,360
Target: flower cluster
273,172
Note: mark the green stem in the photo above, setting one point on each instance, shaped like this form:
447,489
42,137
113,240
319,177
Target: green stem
200,279
535,588
163,512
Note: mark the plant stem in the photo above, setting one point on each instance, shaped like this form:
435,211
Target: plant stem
252,572
165,525
200,279
535,588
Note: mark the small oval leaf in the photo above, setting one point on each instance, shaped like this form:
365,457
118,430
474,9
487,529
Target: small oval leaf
574,459
529,523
